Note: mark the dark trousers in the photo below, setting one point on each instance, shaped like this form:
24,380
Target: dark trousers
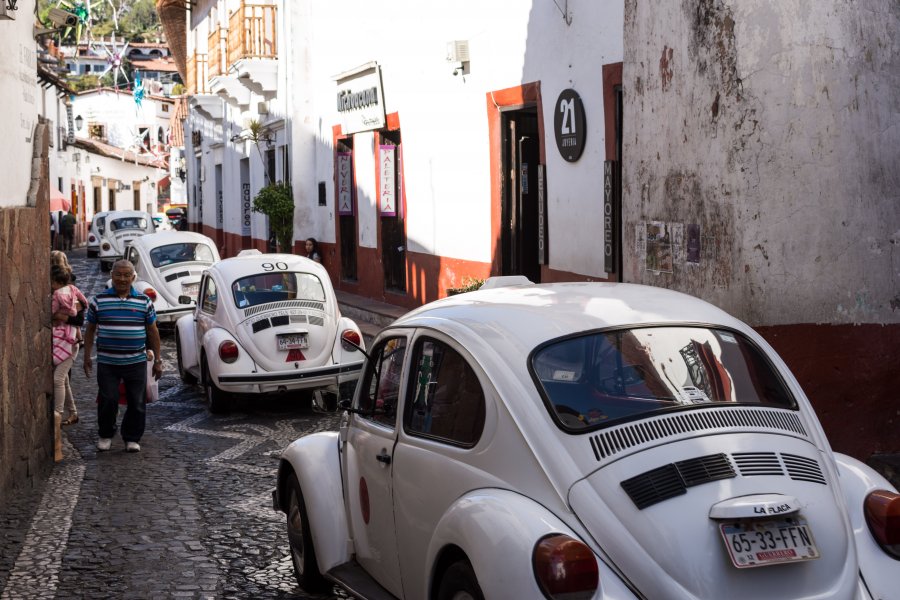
134,377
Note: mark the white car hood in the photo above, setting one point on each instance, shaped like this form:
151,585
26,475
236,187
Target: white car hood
673,549
258,333
178,278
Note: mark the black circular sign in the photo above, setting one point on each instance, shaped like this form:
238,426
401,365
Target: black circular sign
568,125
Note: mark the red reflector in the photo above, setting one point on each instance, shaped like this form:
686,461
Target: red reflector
91,238
294,354
106,246
352,336
882,509
228,351
150,293
565,568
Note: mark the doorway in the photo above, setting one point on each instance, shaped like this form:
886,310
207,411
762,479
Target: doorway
345,198
523,218
390,210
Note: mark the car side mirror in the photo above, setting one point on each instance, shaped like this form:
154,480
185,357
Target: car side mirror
186,300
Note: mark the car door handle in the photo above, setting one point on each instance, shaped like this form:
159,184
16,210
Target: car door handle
384,457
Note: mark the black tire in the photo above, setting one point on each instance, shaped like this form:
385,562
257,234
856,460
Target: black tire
303,553
459,583
219,402
182,372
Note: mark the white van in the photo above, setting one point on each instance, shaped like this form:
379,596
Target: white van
120,228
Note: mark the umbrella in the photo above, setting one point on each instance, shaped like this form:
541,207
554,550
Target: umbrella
58,201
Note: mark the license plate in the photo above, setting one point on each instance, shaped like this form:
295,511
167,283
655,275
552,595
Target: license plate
290,341
767,542
190,289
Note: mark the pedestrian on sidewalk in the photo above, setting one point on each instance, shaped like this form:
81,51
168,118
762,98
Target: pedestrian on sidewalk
64,304
67,223
312,250
124,322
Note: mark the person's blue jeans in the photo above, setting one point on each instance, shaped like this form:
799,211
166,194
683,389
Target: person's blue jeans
134,377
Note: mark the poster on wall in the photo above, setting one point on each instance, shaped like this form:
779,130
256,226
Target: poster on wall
659,247
246,208
345,183
387,187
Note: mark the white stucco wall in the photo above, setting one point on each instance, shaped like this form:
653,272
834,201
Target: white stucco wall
20,101
774,126
122,116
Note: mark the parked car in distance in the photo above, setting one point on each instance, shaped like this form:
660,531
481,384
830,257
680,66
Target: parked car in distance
121,228
267,323
582,440
168,265
95,232
161,222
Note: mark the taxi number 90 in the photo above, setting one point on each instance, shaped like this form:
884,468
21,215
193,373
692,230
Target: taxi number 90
279,266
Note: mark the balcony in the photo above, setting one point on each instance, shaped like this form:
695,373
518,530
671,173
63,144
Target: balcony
197,74
222,82
252,47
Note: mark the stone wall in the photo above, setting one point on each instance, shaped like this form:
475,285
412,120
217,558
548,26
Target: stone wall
26,421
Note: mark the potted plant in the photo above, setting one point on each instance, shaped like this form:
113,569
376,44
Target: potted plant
469,284
276,201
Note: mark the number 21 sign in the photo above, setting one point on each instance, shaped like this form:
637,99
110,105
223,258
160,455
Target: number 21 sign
568,124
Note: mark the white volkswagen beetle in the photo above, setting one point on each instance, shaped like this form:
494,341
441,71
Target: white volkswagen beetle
168,266
96,230
266,323
121,228
583,440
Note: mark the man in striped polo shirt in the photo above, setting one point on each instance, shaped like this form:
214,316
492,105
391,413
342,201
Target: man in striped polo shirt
124,322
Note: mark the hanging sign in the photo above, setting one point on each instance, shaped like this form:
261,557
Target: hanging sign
569,125
387,188
609,216
70,135
245,209
345,183
360,100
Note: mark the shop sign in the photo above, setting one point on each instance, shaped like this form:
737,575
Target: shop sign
245,209
387,189
345,183
569,125
360,100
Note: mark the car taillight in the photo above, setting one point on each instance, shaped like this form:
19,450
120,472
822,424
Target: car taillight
106,246
565,568
882,510
91,238
150,293
352,337
228,351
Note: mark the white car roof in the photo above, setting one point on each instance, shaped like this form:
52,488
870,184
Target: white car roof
164,238
530,314
250,264
116,214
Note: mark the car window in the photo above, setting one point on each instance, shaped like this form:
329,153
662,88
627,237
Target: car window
380,389
101,225
600,378
128,223
263,288
447,398
132,256
183,252
210,297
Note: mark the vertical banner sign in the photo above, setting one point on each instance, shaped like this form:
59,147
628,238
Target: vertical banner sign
220,210
70,136
609,243
245,209
542,228
387,188
344,183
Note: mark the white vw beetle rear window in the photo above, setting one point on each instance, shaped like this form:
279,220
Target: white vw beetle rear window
183,252
605,377
128,223
263,288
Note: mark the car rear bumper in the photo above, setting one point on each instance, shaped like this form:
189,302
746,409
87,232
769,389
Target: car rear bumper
280,381
170,315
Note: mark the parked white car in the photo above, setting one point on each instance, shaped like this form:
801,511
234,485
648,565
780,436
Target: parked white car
168,266
267,323
95,232
121,228
583,440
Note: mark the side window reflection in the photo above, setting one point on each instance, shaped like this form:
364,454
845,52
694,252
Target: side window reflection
381,383
210,297
448,401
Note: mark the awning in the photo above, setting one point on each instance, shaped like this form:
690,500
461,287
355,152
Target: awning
163,183
58,201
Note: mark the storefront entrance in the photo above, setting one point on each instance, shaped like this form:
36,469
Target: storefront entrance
523,224
390,211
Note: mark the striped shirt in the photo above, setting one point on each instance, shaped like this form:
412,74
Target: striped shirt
121,326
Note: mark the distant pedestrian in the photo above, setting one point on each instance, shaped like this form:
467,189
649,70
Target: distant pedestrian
124,323
54,230
312,250
67,223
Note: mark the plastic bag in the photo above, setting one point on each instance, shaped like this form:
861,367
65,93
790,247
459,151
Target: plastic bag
152,384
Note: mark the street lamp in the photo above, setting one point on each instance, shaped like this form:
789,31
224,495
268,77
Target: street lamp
79,121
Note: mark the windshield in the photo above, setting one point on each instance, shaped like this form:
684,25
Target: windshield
128,223
101,224
184,252
601,378
274,287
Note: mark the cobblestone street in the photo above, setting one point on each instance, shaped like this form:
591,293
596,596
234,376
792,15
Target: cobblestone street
190,516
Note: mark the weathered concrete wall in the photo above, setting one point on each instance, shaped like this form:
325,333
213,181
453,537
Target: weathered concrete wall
26,423
760,172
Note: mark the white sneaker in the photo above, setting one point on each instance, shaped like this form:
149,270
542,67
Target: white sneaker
103,444
132,447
